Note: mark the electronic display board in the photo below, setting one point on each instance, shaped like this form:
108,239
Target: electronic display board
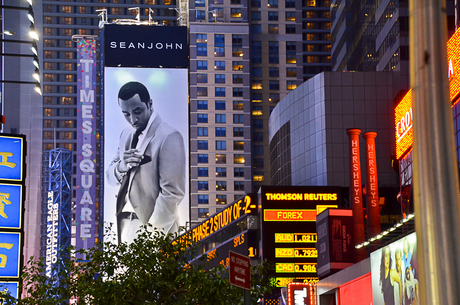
288,217
145,128
9,287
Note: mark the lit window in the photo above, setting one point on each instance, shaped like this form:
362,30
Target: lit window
237,105
256,110
238,145
221,185
258,178
256,85
221,172
221,199
235,13
290,16
203,213
273,29
237,66
291,85
221,159
238,159
291,72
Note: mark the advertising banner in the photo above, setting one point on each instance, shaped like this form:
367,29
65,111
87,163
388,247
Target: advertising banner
10,254
9,287
146,123
11,158
394,271
86,145
11,205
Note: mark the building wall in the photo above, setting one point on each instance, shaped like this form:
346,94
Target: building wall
319,112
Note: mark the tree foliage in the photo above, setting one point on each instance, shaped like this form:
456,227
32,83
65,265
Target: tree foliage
151,270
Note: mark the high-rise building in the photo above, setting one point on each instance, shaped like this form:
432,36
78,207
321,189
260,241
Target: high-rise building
244,57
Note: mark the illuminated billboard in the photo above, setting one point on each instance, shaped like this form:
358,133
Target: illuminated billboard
394,272
86,145
11,158
11,206
145,129
10,254
403,111
289,229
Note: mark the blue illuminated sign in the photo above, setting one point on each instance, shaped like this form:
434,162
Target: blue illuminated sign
10,253
10,205
11,158
9,287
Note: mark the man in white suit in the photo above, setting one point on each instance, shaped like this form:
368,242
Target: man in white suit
149,167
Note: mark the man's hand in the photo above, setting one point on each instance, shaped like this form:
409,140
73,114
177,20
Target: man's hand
131,158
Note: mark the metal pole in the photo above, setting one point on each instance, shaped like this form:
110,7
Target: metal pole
436,185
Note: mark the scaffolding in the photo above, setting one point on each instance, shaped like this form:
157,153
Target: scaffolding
56,219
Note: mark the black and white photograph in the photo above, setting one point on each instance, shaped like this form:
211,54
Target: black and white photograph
145,150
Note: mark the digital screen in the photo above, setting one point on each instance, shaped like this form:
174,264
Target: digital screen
11,205
11,158
10,254
289,228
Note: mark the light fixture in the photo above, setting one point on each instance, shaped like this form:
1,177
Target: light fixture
36,75
33,33
30,2
30,15
9,33
34,49
36,64
38,89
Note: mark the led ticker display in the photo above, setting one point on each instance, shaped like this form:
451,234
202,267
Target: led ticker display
289,228
284,281
403,112
295,238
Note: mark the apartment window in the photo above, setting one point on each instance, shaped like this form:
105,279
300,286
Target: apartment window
257,136
49,77
48,123
272,16
66,9
203,144
201,78
49,135
272,3
238,145
291,58
68,89
235,12
273,72
235,1
221,172
203,185
201,91
290,28
221,199
221,145
256,85
202,131
237,92
219,65
273,52
257,124
255,15
290,4
237,79
238,119
256,52
238,132
256,71
256,110
221,185
202,65
220,105
68,66
258,177
258,163
237,66
238,172
290,16
219,91
238,159
273,29
312,59
220,118
203,199
221,132
291,72
203,105
291,84
238,185
202,158
200,3
219,45
68,124
203,213
219,78
258,150
256,28
69,78
274,85
274,97
201,45
237,45
202,117
237,105
50,43
255,3
221,159
202,172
